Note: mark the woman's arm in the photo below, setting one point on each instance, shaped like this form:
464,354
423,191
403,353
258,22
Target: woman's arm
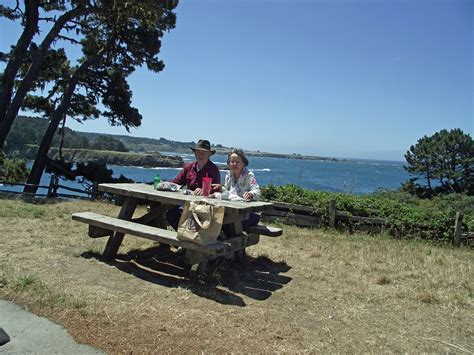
254,188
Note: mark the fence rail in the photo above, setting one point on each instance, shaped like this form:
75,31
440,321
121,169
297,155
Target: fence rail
305,216
52,189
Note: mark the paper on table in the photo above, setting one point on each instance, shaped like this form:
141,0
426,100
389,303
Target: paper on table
167,186
226,195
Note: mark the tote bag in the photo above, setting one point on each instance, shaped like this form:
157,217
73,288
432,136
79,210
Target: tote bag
201,222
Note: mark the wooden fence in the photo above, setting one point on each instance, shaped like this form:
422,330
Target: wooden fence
52,189
305,216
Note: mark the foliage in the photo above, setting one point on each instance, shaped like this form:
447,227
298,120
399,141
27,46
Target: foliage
115,37
87,174
441,163
118,158
407,216
141,144
12,170
106,142
27,131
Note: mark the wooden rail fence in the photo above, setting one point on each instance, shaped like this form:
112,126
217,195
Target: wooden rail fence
52,189
305,216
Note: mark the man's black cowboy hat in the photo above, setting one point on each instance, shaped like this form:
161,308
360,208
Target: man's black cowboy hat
203,144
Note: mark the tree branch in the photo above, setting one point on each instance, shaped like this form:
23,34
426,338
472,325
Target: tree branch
16,59
72,40
38,58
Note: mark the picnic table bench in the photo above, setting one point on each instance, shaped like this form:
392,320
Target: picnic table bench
153,226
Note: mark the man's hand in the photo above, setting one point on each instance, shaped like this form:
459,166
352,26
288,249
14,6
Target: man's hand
197,192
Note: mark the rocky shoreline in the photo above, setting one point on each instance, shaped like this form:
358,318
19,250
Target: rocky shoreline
252,153
150,159
114,158
290,156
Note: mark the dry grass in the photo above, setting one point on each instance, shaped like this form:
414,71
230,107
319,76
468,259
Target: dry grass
308,291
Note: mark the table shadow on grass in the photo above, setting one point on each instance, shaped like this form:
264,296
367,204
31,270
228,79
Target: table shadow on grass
254,277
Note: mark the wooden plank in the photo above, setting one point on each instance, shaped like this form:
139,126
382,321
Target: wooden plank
344,216
148,193
265,230
285,215
243,241
458,229
295,208
275,213
303,221
148,232
292,219
332,213
468,238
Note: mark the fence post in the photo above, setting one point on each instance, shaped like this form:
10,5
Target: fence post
94,192
457,229
52,190
332,213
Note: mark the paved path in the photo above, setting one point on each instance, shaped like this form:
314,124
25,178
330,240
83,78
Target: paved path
31,334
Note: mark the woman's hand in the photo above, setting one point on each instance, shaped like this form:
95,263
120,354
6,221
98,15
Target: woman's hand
216,187
248,195
197,192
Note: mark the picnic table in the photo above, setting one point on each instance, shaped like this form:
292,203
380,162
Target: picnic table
153,225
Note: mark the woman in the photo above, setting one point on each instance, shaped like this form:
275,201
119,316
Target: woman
240,184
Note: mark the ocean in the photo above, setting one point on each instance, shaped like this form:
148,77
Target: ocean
351,176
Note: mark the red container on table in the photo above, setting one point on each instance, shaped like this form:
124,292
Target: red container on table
206,186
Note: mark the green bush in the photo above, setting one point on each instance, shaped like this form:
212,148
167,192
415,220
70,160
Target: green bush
13,170
406,216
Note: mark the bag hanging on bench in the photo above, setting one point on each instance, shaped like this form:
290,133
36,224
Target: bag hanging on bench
201,222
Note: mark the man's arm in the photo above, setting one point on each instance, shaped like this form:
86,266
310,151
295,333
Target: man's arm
180,179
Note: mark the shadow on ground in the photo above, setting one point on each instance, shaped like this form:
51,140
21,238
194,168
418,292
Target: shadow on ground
256,278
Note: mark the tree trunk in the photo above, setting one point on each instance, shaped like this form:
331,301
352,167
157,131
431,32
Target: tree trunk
428,176
32,73
31,25
42,154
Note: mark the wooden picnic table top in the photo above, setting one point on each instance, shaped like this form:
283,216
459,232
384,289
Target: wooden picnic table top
148,193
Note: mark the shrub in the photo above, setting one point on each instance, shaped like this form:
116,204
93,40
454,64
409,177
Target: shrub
13,170
406,216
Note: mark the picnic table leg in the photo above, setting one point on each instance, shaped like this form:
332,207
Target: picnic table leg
126,212
200,266
155,215
236,229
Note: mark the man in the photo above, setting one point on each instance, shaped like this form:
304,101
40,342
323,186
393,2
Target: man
192,175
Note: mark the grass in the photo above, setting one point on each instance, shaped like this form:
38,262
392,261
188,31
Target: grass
17,208
24,282
310,290
3,281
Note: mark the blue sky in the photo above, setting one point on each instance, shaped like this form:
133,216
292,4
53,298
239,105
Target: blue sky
352,79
